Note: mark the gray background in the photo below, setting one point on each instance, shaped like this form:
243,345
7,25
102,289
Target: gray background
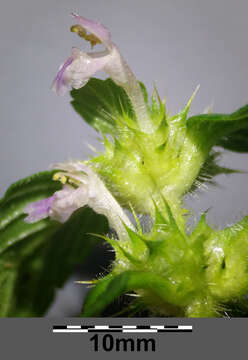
211,339
178,44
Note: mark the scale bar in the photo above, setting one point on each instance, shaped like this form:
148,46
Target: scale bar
121,328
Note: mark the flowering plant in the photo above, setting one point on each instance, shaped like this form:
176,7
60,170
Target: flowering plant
51,220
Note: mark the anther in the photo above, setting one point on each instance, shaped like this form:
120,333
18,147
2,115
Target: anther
60,177
78,29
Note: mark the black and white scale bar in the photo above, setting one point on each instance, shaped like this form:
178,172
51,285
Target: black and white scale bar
121,328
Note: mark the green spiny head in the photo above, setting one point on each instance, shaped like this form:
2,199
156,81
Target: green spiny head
172,263
138,167
179,274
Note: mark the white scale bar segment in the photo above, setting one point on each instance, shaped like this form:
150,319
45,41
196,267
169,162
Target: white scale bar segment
129,327
159,327
139,331
73,326
101,327
185,327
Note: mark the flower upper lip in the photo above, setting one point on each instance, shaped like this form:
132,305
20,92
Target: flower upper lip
95,28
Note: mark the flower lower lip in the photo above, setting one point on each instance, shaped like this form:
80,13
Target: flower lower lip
59,78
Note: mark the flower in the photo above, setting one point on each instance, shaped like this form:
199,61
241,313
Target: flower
81,187
76,71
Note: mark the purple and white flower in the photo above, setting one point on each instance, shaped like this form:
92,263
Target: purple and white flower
76,71
88,190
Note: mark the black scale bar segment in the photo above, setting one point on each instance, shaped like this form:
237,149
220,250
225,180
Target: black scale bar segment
87,327
143,327
59,327
115,326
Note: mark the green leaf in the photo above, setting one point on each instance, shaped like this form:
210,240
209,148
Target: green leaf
68,247
27,273
18,230
111,287
102,103
236,141
37,258
17,238
8,274
220,129
51,265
